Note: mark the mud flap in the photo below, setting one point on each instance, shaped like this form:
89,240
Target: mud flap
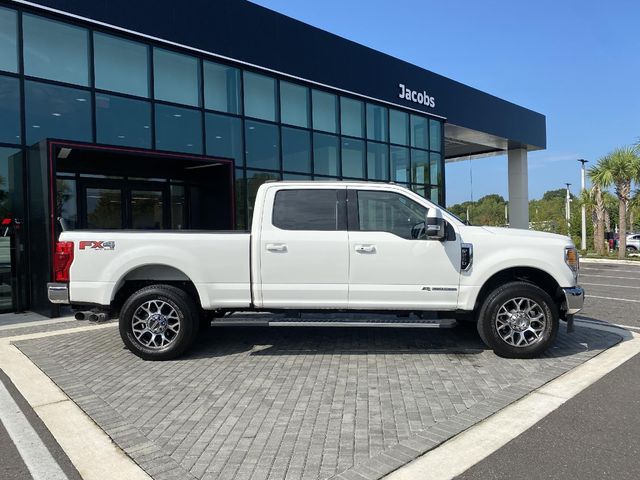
570,326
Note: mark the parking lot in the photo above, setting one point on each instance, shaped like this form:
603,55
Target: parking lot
613,293
321,403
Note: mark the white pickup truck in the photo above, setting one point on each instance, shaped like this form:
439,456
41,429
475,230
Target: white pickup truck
325,247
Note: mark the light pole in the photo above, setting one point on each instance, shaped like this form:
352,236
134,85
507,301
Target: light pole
567,209
583,240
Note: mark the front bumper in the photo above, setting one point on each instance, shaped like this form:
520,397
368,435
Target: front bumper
58,292
574,299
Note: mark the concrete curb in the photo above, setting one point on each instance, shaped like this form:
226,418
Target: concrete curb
89,448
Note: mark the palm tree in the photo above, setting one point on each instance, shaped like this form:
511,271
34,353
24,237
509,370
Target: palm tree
620,168
596,198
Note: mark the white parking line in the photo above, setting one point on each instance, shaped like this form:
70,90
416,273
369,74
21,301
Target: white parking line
484,438
608,276
613,298
608,285
612,270
33,451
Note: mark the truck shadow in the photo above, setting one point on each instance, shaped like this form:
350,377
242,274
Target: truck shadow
282,341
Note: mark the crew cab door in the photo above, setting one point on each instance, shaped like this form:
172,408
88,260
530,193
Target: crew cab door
304,248
392,263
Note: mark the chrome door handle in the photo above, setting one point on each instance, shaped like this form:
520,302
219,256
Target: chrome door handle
365,248
276,247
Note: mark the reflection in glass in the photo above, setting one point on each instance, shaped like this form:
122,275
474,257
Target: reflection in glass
121,65
122,121
55,50
377,161
435,134
224,137
296,150
351,117
177,207
326,152
435,197
176,77
377,123
259,96
435,168
294,104
221,88
146,209
178,129
67,203
9,110
325,111
352,158
241,200
398,127
104,208
8,40
400,165
419,132
262,145
254,180
57,112
11,204
420,166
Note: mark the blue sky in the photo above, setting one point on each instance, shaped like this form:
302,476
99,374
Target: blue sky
577,62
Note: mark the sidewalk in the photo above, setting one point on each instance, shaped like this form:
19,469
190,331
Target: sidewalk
594,435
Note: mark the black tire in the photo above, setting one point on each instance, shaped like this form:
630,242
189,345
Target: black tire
177,307
631,248
533,343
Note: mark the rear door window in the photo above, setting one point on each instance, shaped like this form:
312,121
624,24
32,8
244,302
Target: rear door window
306,209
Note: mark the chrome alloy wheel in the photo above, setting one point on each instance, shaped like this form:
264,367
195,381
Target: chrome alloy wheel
520,322
155,324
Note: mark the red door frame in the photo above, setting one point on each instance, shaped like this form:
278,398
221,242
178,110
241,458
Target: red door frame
52,144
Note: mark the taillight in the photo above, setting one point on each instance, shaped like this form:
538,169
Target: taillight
62,260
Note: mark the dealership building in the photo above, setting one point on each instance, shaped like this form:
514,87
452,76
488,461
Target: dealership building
150,115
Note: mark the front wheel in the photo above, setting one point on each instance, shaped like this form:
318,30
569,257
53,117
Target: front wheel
158,322
518,320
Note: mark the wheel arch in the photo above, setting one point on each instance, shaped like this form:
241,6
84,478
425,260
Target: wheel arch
150,274
531,275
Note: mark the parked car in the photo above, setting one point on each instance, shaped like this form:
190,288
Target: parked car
325,247
633,242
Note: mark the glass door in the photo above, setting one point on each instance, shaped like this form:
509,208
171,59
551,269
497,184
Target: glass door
102,206
148,209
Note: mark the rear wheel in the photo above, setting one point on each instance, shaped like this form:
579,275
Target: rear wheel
159,322
518,320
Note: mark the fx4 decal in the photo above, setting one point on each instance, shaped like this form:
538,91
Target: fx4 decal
97,245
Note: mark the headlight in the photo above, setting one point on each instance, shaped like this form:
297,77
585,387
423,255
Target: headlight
572,259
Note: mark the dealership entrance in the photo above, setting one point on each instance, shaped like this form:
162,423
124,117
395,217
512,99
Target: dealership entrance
86,186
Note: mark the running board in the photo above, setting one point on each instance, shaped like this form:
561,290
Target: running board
382,323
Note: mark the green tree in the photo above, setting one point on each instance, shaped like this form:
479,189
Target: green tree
620,169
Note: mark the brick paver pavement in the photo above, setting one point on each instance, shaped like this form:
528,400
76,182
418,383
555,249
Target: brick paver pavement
295,403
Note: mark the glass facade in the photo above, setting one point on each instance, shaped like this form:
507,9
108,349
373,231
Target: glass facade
123,121
121,65
8,40
65,81
9,109
98,86
176,77
55,50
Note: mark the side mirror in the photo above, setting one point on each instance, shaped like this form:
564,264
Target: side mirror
435,225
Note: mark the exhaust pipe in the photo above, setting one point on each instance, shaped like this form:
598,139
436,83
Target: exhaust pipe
97,317
91,316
